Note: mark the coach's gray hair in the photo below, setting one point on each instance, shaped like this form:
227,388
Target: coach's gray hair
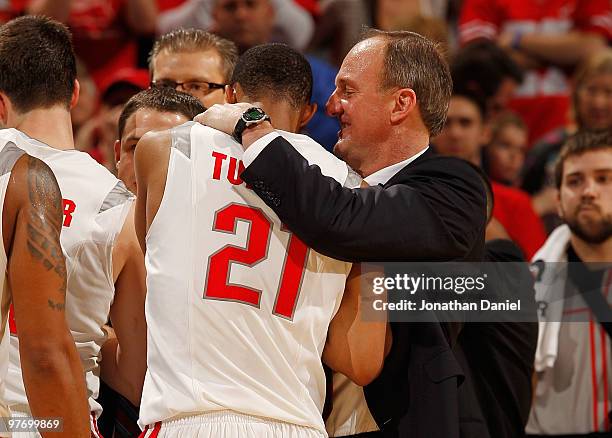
413,61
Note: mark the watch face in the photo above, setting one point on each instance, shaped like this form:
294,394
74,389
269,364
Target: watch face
253,114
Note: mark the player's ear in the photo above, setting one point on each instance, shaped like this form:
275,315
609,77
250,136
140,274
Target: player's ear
75,94
230,94
308,111
4,109
117,149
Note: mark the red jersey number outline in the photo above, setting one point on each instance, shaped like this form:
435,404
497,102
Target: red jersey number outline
217,286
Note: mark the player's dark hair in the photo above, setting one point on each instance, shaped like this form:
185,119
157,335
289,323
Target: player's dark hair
274,70
163,100
37,63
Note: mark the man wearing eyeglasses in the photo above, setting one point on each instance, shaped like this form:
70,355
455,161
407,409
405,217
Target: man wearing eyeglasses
193,61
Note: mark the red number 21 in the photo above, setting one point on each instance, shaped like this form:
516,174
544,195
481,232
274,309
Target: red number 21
217,286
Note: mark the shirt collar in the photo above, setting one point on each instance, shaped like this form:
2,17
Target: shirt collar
383,175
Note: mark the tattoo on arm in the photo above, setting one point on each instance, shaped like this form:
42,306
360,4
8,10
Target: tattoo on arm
45,223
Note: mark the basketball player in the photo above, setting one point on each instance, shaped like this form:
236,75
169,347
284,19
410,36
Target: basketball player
154,109
104,262
249,302
36,283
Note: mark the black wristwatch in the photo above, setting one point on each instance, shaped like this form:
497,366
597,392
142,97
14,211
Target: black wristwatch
250,117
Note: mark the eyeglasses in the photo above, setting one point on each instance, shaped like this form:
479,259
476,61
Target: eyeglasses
191,87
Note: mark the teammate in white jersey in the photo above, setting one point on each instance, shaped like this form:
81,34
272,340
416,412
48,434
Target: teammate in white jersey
104,262
31,257
153,109
238,308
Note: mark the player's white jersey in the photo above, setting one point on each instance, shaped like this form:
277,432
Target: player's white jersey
95,207
9,154
237,306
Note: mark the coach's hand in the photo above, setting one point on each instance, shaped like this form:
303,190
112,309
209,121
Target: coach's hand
223,117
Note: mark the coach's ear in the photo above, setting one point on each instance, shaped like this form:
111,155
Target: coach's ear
308,111
75,94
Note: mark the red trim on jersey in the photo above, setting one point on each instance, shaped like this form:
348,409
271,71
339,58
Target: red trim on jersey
154,431
11,319
593,375
94,422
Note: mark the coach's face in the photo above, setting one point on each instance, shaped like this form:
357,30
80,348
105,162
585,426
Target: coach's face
586,195
137,125
361,105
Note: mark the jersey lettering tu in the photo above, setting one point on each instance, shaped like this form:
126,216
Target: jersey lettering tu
95,207
237,306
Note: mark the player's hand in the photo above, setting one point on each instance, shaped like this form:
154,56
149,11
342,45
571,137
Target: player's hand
223,117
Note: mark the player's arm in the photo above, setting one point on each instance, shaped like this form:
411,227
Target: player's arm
354,347
52,371
151,167
124,357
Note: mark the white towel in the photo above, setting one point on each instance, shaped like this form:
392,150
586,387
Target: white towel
549,288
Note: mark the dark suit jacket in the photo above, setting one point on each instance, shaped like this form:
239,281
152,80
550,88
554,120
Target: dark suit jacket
432,210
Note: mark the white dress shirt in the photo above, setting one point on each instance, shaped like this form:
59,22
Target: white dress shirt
383,175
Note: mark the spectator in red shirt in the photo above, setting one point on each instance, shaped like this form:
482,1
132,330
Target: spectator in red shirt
463,136
104,31
546,38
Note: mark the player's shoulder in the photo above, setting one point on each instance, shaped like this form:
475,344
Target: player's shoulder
32,182
153,143
199,132
158,141
316,154
152,149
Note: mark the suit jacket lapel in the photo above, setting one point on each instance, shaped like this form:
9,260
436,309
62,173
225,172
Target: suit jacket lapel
429,153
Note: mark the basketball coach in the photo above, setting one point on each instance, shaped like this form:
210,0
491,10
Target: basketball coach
392,94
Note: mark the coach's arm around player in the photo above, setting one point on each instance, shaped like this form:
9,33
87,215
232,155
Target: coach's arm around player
52,371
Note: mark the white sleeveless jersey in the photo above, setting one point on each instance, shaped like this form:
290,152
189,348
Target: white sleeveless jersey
237,307
95,207
9,154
